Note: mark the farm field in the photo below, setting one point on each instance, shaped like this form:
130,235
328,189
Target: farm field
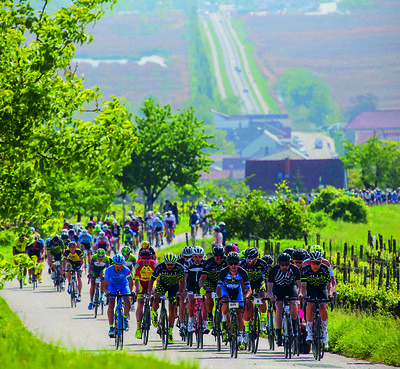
355,53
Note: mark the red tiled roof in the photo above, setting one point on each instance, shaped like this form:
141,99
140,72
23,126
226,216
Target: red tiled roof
218,174
375,120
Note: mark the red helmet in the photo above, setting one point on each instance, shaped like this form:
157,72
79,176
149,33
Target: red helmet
231,247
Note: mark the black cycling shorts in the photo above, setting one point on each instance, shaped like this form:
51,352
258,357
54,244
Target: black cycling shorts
192,288
169,291
281,292
317,293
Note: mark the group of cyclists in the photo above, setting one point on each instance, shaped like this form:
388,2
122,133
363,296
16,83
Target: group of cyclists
225,275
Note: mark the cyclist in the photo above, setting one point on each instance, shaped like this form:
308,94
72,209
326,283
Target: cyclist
90,227
194,220
233,284
100,262
130,262
185,255
96,231
157,228
316,284
209,279
102,242
72,236
218,238
193,270
284,280
298,257
257,270
55,248
86,240
117,277
149,220
269,261
73,256
19,248
146,247
223,232
134,226
169,224
116,234
144,269
141,225
231,247
171,281
324,261
127,236
36,248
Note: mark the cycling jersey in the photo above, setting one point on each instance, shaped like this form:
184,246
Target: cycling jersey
316,281
21,245
194,219
324,261
127,236
286,279
99,266
233,282
144,273
102,243
158,224
193,272
257,274
130,262
169,277
118,281
116,231
54,248
75,257
212,269
149,249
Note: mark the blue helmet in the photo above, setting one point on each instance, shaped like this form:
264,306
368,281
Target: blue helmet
118,259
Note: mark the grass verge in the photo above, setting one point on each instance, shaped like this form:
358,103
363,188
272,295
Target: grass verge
373,338
20,348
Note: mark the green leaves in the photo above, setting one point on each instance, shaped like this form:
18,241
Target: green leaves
39,96
169,150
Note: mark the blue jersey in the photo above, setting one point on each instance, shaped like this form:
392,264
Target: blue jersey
158,224
85,238
230,282
118,280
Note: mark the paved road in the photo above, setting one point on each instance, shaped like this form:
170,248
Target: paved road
48,314
308,144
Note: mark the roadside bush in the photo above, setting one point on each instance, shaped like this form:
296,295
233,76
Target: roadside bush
335,203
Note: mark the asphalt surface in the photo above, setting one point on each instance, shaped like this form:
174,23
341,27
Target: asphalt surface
48,315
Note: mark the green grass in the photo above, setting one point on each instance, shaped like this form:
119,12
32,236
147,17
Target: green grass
260,80
374,338
20,348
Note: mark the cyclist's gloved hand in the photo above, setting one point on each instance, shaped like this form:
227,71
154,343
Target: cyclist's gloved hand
202,291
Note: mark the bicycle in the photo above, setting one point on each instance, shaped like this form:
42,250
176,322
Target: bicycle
58,284
97,299
318,346
158,239
232,328
198,320
271,325
34,278
204,228
288,338
20,275
119,320
146,321
193,233
163,325
216,332
74,288
255,325
85,259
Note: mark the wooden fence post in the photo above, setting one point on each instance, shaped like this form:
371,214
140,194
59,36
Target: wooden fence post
387,276
355,263
345,250
352,252
344,272
330,251
361,251
370,241
365,276
305,238
338,260
277,247
381,242
257,243
381,276
349,266
377,244
187,239
372,269
394,246
318,238
390,245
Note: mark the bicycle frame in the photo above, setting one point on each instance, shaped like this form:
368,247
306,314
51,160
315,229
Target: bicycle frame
163,325
287,328
271,325
145,328
119,321
74,287
96,301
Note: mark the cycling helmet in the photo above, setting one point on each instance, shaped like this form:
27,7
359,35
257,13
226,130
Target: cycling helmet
101,253
114,222
130,212
289,251
145,254
216,228
118,259
126,250
158,214
284,257
101,234
233,258
317,248
84,232
170,258
33,229
105,227
315,255
145,244
128,219
71,232
221,224
268,259
231,247
218,250
55,239
126,227
299,254
140,217
198,250
157,219
72,244
64,236
97,227
251,253
187,252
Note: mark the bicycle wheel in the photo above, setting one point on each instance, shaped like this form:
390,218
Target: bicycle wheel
271,330
119,329
96,302
255,332
317,344
296,341
199,329
72,294
234,336
21,277
146,324
287,340
164,328
217,328
249,344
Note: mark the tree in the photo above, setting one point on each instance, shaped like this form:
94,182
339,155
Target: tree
169,151
308,98
361,103
374,160
39,94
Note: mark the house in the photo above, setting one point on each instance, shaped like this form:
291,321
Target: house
302,175
263,145
384,124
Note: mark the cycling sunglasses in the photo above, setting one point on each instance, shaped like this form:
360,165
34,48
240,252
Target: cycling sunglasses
284,264
218,257
170,264
233,264
298,261
148,258
315,262
249,260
